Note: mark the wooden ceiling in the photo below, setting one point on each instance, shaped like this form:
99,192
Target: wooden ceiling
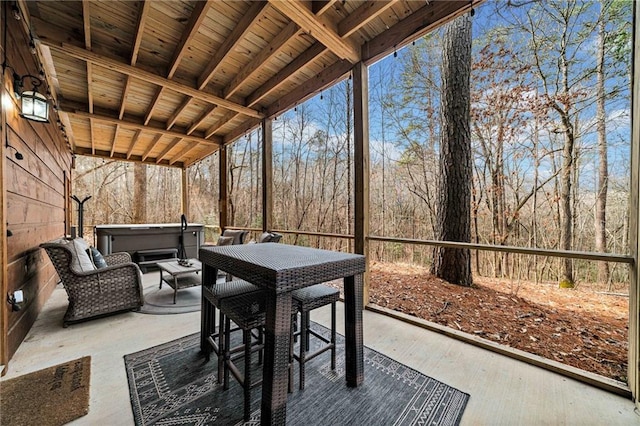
169,82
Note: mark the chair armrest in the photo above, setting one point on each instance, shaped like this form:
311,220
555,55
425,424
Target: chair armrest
117,258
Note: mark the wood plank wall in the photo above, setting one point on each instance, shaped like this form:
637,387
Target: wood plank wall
36,193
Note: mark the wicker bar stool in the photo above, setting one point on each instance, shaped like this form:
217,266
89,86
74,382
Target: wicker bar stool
214,295
304,301
247,311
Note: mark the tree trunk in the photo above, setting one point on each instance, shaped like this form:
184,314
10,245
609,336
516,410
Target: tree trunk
603,172
139,193
454,197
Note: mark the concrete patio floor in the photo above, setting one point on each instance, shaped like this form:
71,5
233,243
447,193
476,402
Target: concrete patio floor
503,391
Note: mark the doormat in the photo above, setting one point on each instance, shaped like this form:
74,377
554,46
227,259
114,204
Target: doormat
171,384
50,397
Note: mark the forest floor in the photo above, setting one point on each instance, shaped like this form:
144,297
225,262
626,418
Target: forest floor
580,327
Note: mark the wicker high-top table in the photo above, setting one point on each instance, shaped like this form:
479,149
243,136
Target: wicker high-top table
281,268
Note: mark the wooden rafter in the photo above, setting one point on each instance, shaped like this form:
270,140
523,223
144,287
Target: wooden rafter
150,77
272,49
115,138
86,20
197,16
362,16
151,146
239,31
200,119
216,61
153,105
92,132
418,23
133,143
169,147
319,27
187,149
136,125
292,48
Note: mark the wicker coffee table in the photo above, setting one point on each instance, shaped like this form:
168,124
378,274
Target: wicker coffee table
281,268
179,276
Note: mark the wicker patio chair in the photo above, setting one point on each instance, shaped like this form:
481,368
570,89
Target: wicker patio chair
237,234
95,292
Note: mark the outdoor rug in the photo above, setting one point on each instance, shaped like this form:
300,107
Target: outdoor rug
50,397
160,301
170,384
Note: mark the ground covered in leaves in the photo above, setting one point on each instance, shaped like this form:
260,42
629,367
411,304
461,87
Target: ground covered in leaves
580,327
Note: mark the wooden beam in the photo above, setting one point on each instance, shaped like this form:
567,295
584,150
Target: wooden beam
224,120
319,7
187,149
123,99
361,166
122,157
238,33
169,147
151,146
142,17
198,14
319,27
149,77
145,7
174,117
134,141
153,105
197,122
91,133
328,77
86,22
241,130
86,19
428,17
115,140
285,73
204,152
137,125
273,48
267,175
364,14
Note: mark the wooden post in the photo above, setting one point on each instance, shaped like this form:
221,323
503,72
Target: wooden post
361,166
267,175
634,219
185,193
223,196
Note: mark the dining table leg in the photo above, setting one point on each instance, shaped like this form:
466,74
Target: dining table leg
275,375
354,341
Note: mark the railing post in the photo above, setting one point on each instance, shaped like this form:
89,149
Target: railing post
361,166
267,175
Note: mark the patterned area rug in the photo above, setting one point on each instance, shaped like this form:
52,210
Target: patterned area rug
170,384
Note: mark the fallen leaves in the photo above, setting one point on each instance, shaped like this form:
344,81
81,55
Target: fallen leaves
578,327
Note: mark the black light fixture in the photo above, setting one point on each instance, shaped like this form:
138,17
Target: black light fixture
35,106
18,155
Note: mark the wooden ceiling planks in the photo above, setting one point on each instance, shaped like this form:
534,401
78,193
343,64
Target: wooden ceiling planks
166,81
